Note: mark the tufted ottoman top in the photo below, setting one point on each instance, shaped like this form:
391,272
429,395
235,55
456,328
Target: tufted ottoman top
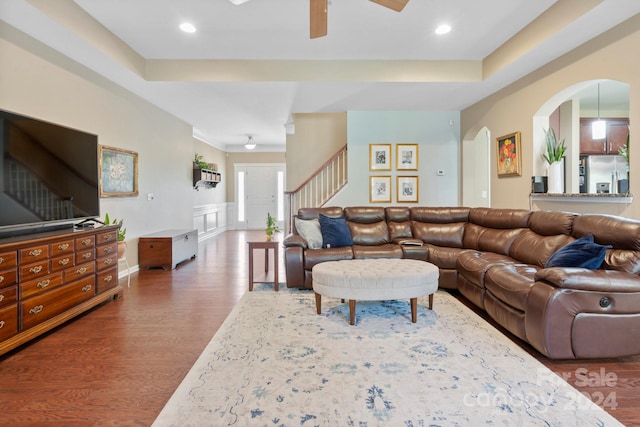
375,279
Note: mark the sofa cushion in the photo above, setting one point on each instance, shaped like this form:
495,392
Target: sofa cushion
377,251
371,234
399,230
335,232
511,283
443,256
472,265
532,248
316,256
583,252
309,229
449,235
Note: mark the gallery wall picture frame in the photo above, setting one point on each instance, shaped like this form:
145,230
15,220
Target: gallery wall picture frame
118,172
380,189
407,157
407,189
509,155
380,157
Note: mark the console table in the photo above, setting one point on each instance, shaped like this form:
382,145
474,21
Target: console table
266,245
167,248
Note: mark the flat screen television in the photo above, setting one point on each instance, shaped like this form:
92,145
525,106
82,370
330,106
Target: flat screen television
48,175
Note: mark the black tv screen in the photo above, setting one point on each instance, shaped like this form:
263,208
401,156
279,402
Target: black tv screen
48,174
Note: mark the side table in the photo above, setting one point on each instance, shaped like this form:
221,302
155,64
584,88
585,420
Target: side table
266,245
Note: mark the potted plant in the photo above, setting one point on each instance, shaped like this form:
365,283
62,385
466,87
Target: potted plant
553,156
122,232
272,226
198,163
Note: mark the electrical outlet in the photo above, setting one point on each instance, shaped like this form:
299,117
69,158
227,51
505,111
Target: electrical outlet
150,196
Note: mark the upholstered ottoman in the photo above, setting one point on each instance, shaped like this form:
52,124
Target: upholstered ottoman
375,280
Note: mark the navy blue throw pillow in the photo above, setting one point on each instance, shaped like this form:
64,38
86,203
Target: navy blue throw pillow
335,232
583,252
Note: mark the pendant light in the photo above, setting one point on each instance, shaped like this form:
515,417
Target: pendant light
250,145
598,127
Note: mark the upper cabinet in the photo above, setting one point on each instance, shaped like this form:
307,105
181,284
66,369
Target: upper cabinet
617,131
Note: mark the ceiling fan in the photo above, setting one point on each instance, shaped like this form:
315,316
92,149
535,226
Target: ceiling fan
318,19
318,13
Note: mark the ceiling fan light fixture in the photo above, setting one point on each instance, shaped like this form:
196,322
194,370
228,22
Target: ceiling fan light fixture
443,29
188,27
250,145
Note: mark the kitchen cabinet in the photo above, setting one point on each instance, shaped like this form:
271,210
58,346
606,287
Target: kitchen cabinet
617,131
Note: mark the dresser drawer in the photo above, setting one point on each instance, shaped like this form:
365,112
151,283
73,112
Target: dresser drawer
61,248
8,278
35,270
107,250
110,237
42,307
8,260
107,262
8,295
39,285
106,279
85,255
8,321
62,262
85,242
79,271
34,253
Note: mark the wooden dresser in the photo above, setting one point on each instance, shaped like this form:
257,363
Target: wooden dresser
48,278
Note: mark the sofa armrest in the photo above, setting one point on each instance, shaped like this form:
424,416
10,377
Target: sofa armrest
293,240
589,280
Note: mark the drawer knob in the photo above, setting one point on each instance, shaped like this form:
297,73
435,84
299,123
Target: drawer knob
64,261
63,247
35,252
44,284
37,309
1,323
108,261
108,278
108,237
1,279
86,242
35,270
81,270
1,297
1,260
86,255
108,249
86,288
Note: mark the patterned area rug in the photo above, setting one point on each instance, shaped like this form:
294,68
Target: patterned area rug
275,362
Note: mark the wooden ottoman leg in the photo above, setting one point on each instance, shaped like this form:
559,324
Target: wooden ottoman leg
352,312
318,302
431,302
414,310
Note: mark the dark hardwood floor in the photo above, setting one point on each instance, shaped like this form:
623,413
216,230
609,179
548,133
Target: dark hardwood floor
118,364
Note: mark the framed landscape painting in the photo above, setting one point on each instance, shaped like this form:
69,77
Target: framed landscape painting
380,157
509,155
380,189
118,172
407,157
407,188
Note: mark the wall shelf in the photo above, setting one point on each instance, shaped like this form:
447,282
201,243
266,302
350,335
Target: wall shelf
206,178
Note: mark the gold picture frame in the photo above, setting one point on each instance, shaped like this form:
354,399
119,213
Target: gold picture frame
380,157
118,172
509,155
407,157
407,189
380,189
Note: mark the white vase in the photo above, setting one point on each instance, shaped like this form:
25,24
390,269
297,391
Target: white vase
555,178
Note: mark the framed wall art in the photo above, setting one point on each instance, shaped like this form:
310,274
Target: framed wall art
509,155
380,189
118,172
407,157
407,188
380,157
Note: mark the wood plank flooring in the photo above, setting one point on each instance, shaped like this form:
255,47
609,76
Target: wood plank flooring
118,364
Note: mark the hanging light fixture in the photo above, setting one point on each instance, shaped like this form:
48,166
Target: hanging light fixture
250,145
598,127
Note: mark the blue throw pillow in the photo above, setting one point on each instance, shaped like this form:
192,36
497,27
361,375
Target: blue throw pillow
583,252
335,232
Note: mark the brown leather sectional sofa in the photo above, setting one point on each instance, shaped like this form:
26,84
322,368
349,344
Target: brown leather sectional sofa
495,258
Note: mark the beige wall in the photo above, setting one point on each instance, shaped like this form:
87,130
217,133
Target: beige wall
249,157
611,56
318,136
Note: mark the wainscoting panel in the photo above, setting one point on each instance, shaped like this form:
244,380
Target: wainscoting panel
210,220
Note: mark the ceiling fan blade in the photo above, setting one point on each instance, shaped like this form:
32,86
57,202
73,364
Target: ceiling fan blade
318,15
396,5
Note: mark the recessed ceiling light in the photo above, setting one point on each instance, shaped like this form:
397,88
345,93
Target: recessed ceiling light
443,29
187,27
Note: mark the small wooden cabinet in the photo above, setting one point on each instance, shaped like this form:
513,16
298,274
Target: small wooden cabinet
617,131
48,278
206,178
167,248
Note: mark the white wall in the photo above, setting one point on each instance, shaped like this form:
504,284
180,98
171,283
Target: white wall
435,132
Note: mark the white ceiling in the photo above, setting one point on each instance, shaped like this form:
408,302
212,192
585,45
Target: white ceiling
259,99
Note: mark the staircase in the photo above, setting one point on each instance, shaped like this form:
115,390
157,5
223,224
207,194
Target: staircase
27,190
323,184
